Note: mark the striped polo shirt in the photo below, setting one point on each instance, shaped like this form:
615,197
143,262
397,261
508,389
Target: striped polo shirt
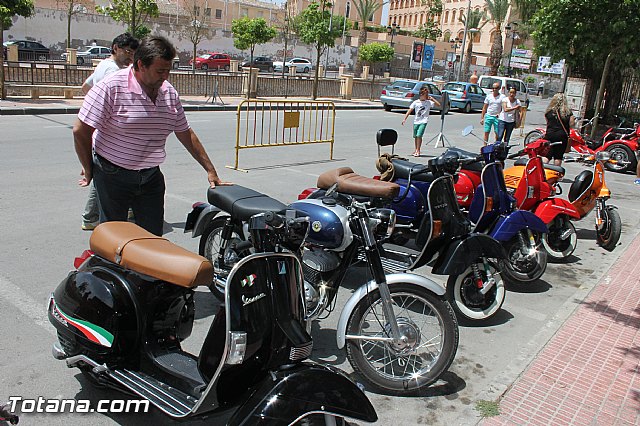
131,130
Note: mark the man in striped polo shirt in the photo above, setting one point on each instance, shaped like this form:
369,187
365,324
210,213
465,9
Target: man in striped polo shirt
127,117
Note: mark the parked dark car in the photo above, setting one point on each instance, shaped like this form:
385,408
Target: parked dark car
28,50
261,62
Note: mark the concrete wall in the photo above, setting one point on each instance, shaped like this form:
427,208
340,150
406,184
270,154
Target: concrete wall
49,27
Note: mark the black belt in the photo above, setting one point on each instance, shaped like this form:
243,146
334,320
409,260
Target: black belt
102,159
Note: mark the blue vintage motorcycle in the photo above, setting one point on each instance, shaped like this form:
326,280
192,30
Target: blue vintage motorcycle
492,210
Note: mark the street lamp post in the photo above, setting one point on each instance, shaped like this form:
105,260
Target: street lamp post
512,26
392,30
455,44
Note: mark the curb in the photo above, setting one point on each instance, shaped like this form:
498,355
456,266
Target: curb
187,108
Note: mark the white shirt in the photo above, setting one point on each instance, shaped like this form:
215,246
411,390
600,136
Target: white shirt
509,117
495,104
422,109
103,69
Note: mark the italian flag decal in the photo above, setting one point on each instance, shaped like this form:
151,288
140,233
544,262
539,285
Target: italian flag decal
91,331
249,280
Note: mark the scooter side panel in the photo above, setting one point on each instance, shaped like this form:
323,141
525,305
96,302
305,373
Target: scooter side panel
306,388
552,207
507,227
371,286
411,208
462,253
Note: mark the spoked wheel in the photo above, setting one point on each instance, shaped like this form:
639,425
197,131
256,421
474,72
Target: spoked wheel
465,293
609,235
524,263
429,339
626,159
561,240
210,243
533,135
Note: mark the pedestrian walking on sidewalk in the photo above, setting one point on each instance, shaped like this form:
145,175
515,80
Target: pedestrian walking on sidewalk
122,49
559,120
422,107
508,117
637,180
128,117
490,111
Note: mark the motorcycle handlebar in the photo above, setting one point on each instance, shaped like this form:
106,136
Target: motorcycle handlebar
515,155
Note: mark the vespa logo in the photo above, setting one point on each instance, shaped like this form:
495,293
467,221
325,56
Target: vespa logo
249,300
440,201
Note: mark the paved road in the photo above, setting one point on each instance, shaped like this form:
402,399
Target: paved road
40,207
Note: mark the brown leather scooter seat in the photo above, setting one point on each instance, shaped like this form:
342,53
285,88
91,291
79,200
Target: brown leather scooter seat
523,162
354,184
134,248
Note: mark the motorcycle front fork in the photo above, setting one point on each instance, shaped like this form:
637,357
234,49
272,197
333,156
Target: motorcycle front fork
483,286
601,211
528,246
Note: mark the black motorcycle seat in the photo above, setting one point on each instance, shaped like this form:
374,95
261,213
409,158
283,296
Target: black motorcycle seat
403,168
242,203
466,155
136,249
354,184
580,184
523,162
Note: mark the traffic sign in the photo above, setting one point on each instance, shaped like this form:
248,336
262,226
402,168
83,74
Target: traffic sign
450,64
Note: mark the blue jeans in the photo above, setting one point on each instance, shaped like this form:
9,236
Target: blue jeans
504,130
119,188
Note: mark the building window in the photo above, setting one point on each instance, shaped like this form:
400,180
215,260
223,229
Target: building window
446,16
453,16
207,11
218,13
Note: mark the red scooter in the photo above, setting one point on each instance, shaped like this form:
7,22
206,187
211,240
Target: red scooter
620,143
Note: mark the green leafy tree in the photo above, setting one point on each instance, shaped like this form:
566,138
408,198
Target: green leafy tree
247,33
574,30
365,9
430,30
133,13
372,54
9,9
477,19
315,26
498,10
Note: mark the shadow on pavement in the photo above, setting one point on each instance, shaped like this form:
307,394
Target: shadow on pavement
537,286
501,317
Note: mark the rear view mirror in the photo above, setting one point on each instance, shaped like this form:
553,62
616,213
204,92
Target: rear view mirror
467,130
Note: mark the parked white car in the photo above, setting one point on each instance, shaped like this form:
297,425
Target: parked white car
86,54
301,64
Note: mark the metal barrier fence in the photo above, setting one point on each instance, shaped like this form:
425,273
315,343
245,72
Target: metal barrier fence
263,124
45,73
362,90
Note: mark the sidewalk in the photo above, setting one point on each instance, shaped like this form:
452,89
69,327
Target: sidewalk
587,374
59,105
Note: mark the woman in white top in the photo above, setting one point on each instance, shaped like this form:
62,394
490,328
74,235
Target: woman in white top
507,118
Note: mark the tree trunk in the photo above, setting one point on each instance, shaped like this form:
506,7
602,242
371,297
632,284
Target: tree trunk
314,95
250,73
424,44
467,59
284,55
373,79
193,61
362,39
496,53
69,15
133,18
603,83
3,91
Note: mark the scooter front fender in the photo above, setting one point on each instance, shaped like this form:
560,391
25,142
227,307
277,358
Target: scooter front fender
287,395
199,217
507,227
460,254
551,208
362,291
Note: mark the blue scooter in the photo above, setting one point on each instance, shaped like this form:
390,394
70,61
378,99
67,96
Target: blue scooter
492,210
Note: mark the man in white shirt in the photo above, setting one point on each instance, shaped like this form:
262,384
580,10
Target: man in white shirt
122,49
490,111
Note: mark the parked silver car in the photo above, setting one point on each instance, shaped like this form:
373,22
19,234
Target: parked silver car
301,64
88,53
402,93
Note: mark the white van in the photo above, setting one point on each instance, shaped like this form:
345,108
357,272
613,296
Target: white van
486,83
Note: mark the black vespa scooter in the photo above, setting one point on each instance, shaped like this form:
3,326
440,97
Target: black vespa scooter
122,314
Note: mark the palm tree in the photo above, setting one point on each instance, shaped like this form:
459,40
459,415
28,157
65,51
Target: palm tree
477,20
498,10
365,9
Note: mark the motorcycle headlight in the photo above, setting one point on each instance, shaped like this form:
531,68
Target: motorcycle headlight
383,222
603,156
